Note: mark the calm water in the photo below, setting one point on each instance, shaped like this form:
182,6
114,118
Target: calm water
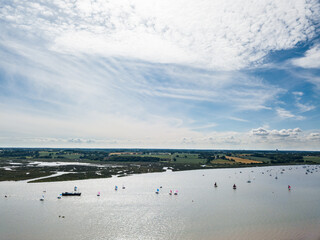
262,209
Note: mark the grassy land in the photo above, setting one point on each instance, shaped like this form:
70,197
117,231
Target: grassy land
261,159
223,161
315,159
187,158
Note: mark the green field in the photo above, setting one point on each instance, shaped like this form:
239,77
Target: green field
187,158
315,159
262,159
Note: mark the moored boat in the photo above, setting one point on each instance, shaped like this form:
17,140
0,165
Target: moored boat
71,194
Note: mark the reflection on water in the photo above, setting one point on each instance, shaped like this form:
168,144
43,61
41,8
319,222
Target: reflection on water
262,209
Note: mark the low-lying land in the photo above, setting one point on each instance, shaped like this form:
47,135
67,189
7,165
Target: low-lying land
24,164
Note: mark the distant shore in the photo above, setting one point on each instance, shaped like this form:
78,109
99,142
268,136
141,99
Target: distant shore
42,165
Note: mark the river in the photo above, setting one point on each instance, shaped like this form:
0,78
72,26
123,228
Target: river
262,209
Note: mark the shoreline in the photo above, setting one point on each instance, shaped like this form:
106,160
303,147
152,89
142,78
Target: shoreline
129,169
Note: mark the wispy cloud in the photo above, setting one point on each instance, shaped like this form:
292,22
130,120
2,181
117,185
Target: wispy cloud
302,107
284,114
238,119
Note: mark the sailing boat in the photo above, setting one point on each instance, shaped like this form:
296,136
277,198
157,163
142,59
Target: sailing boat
234,186
249,181
215,184
42,198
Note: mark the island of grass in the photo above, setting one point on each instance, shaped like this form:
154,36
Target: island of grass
30,163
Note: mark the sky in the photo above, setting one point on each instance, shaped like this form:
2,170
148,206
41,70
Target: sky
191,74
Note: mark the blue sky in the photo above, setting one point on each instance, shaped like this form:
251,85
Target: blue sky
160,74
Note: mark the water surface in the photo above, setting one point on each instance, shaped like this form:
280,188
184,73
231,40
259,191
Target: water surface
262,209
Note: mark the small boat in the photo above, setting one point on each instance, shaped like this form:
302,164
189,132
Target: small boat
176,192
98,194
170,193
289,187
234,186
42,198
123,187
59,197
249,181
116,188
71,194
157,192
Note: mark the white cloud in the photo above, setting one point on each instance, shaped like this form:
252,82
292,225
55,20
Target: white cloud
298,95
238,119
314,136
310,60
260,132
284,114
220,34
302,107
305,107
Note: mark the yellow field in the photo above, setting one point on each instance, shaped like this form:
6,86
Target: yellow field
242,160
